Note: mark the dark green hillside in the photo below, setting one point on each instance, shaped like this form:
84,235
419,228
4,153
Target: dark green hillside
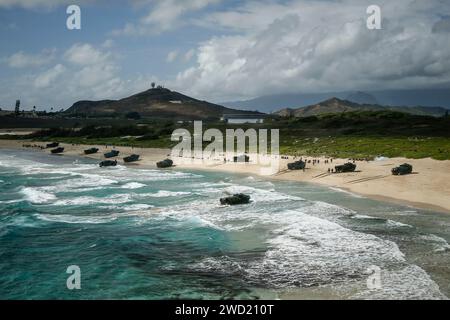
156,102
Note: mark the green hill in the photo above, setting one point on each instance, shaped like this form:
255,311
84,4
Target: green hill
157,102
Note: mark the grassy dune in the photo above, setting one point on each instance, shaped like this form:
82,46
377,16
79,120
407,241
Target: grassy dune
338,147
345,135
369,147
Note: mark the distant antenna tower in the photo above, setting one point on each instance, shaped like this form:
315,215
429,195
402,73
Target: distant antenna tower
17,110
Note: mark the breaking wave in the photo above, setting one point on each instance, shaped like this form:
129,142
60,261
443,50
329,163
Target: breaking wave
36,196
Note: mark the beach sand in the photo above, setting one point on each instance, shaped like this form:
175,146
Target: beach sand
427,188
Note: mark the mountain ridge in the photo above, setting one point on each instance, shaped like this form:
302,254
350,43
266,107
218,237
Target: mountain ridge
407,98
336,105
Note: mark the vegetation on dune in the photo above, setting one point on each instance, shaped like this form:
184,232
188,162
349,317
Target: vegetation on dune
363,134
145,136
369,147
367,134
161,142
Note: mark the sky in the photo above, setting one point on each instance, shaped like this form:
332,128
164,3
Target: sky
217,50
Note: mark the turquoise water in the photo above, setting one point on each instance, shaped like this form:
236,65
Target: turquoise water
152,234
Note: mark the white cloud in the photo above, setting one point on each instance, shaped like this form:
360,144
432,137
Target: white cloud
93,72
23,60
166,12
85,54
304,46
108,44
48,77
175,54
85,72
269,47
163,15
171,56
32,4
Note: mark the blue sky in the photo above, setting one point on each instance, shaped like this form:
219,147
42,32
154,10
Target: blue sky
217,50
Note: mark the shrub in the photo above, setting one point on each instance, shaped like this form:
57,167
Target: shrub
133,115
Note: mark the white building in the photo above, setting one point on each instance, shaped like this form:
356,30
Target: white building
243,118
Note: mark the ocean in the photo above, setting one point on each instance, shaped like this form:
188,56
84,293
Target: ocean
162,234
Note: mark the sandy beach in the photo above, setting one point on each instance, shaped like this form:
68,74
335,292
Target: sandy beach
427,188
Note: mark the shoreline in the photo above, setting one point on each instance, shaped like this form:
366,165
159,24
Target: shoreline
429,186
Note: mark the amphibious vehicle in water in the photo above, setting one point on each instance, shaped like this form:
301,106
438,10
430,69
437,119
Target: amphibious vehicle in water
403,169
348,167
112,154
236,199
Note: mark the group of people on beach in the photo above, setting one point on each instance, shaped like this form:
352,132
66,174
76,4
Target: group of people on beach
34,146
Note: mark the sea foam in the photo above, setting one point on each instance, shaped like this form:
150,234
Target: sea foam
37,196
133,185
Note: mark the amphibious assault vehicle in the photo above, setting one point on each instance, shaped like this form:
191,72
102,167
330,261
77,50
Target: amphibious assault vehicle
132,158
91,151
165,164
348,167
58,150
112,154
402,169
298,165
108,163
52,145
236,199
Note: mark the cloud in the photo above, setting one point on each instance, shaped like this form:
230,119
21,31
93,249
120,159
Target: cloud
166,13
93,73
46,78
82,72
189,55
108,43
24,60
260,47
304,46
85,54
163,15
171,56
32,4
